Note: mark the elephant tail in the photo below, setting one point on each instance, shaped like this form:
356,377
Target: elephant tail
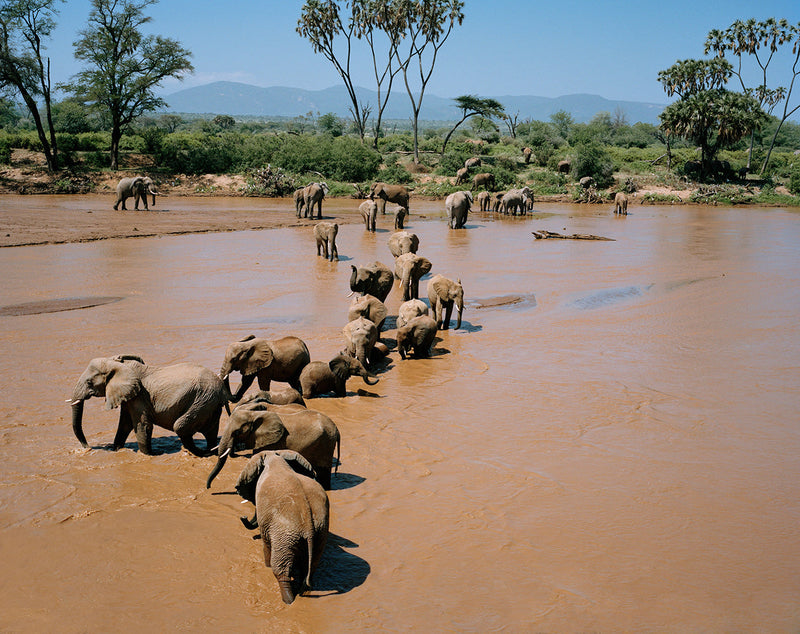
310,547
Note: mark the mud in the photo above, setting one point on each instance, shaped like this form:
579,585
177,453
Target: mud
609,443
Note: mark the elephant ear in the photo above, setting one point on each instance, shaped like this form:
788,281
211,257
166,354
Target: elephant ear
256,357
297,463
269,429
425,265
122,385
246,482
378,311
442,286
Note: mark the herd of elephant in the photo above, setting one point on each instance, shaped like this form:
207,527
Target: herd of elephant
294,448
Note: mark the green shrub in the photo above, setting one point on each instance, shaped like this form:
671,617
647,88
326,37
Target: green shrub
591,159
794,181
395,173
340,158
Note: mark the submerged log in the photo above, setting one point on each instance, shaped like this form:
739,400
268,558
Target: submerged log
543,235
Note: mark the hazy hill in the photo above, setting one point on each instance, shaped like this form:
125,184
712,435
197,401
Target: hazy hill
232,98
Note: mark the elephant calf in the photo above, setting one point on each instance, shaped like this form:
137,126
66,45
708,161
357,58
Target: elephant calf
325,236
417,336
369,212
319,378
292,511
621,204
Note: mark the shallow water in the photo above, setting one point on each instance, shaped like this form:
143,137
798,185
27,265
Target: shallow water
610,442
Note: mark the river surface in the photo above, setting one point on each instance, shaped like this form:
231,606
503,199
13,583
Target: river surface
611,442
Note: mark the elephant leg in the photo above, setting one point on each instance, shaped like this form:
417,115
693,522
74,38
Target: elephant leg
295,383
448,311
143,425
323,476
124,429
187,424
264,381
247,381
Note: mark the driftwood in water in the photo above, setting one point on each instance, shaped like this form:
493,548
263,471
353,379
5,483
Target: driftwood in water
543,235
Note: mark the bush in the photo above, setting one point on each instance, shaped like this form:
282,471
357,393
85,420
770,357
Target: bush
340,158
590,159
794,181
395,173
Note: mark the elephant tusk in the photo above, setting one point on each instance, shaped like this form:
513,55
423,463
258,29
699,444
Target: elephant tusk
243,502
350,294
71,402
227,451
214,448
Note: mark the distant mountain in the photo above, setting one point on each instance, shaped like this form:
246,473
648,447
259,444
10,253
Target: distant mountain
233,98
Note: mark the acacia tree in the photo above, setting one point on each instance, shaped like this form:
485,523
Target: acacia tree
124,66
422,27
707,114
23,25
472,106
759,40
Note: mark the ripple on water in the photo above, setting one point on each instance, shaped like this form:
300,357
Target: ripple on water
608,297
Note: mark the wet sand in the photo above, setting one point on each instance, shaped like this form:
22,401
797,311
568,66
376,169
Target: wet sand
609,442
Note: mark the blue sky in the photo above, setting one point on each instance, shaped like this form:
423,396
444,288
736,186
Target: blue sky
504,47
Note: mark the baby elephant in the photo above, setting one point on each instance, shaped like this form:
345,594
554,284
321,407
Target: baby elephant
325,235
292,515
417,335
369,211
319,378
621,204
399,217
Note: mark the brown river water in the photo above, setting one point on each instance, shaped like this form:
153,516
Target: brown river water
611,442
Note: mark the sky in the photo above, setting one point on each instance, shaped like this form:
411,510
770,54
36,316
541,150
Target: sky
504,47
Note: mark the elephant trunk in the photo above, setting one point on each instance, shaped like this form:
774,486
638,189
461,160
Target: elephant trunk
77,421
367,376
287,592
459,310
223,457
405,284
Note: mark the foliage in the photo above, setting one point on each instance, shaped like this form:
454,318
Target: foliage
472,106
124,66
340,158
794,181
591,159
395,173
267,181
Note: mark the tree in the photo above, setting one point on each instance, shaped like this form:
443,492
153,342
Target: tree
124,66
23,25
707,114
562,121
760,40
224,121
512,123
472,106
321,24
422,28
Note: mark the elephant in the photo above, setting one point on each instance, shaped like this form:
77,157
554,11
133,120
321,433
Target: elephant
370,307
409,268
299,201
472,162
443,294
586,182
563,167
417,336
410,309
325,235
258,426
526,154
369,212
138,188
457,206
312,197
497,202
292,512
399,217
277,360
390,193
484,200
184,398
621,204
361,336
285,396
461,175
483,180
516,200
402,242
319,378
376,280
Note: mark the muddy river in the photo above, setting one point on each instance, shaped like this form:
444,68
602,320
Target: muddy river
611,442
